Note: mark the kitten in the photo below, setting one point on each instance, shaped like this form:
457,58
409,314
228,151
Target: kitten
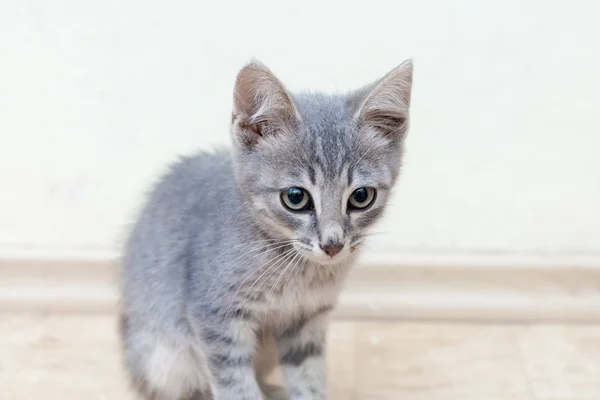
235,246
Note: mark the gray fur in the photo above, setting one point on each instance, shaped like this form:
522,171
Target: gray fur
215,262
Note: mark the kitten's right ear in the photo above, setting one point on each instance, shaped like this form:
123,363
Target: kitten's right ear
261,105
384,105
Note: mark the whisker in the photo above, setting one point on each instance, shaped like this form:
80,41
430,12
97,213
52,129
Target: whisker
233,213
301,261
245,244
374,234
358,239
267,298
266,246
289,254
279,257
230,269
245,299
278,245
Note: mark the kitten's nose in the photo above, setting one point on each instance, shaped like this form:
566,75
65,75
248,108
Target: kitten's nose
332,248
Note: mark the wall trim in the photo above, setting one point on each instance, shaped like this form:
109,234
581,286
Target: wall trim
425,287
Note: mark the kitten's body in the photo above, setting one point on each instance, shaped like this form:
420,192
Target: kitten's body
216,262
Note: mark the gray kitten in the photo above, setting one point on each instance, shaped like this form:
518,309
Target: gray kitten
235,247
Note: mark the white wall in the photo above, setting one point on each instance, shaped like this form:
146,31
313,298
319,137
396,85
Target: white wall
504,152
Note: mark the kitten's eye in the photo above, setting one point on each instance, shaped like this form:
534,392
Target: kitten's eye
296,199
361,198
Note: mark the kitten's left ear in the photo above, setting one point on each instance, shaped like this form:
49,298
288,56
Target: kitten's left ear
386,106
262,105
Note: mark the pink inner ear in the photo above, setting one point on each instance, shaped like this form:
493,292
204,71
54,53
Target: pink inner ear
260,97
386,121
254,128
386,108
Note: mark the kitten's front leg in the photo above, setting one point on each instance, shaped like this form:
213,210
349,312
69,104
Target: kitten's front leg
232,349
302,354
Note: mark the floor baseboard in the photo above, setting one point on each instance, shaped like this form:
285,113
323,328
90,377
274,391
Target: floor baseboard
490,288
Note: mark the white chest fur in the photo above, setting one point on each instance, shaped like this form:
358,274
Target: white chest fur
299,300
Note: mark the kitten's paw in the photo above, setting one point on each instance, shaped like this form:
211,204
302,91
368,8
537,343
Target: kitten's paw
273,392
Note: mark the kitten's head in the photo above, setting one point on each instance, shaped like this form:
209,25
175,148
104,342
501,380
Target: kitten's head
317,168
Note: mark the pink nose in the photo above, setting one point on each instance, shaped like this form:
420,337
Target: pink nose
332,249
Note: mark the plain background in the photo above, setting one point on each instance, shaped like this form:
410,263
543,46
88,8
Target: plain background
503,154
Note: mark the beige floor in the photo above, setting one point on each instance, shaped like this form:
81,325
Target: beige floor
67,357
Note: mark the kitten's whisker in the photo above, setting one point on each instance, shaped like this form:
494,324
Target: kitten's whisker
282,259
231,268
359,239
277,281
290,255
278,257
229,250
265,246
259,251
278,245
245,244
233,213
373,234
301,261
267,306
246,276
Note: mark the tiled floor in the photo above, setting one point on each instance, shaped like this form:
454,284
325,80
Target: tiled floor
67,357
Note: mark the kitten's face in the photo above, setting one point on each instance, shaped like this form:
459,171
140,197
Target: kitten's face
318,169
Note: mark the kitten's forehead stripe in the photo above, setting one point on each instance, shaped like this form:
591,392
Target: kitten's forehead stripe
350,175
325,119
311,175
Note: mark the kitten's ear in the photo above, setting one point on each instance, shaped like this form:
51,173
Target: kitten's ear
386,104
261,105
